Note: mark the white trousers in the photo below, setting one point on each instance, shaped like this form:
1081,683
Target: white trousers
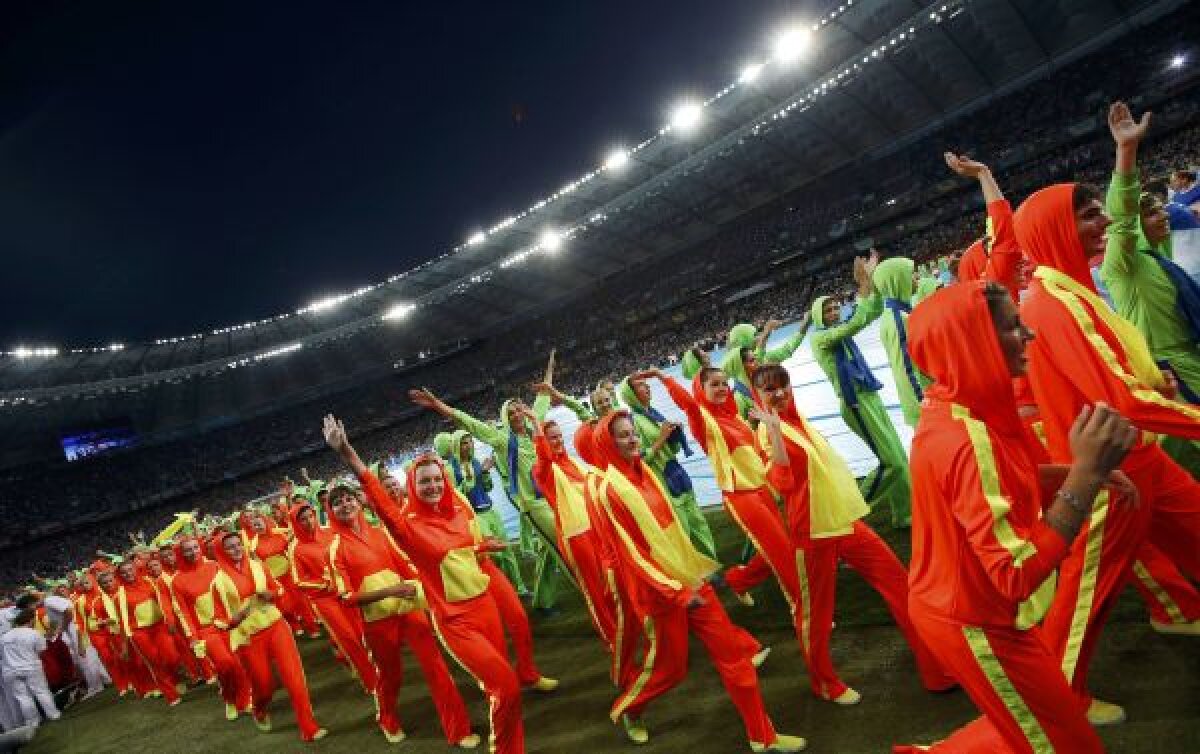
89,665
29,691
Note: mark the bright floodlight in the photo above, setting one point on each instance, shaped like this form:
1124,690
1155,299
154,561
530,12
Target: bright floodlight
686,116
616,159
792,44
477,238
551,240
398,311
750,72
1179,60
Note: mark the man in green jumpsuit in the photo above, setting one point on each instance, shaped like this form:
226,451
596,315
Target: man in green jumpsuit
893,279
473,480
837,354
661,443
1146,285
512,444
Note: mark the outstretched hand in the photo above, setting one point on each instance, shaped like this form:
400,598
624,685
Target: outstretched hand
964,166
335,433
768,417
1126,131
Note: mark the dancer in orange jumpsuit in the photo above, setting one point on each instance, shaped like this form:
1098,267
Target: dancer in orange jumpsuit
143,622
462,585
1085,354
110,642
198,668
562,481
309,554
191,595
983,551
372,574
270,545
245,594
673,593
824,510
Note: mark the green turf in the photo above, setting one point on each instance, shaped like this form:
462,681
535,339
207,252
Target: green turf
1156,678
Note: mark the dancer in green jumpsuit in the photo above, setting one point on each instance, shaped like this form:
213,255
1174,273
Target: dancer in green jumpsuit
512,443
1146,285
837,354
662,442
893,279
474,481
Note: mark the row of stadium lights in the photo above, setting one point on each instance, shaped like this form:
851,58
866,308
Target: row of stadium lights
787,48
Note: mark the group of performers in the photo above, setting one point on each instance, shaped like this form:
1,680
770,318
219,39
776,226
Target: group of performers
1052,465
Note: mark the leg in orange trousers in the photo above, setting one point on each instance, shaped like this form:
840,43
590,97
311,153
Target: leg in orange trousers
157,649
231,676
515,621
276,646
1171,598
345,631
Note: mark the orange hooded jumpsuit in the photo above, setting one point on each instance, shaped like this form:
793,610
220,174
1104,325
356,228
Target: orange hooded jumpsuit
271,547
1084,353
667,573
143,622
982,566
101,611
263,638
465,590
365,559
308,555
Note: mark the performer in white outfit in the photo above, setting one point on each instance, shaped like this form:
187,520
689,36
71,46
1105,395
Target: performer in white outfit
21,666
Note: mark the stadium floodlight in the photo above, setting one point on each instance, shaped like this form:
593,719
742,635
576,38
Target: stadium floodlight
551,240
398,311
686,116
792,44
616,159
750,73
323,304
477,238
1179,60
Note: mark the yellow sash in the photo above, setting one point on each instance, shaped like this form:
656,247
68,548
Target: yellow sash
834,500
672,550
1062,286
262,614
110,611
741,469
572,507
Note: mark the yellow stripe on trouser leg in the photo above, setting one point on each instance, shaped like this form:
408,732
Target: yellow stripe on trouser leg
732,511
491,699
990,665
1086,595
643,678
1164,598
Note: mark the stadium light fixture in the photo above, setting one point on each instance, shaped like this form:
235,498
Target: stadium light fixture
686,116
792,44
551,240
477,238
398,311
1179,60
750,73
616,159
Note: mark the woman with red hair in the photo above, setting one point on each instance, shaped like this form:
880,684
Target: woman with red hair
984,552
672,591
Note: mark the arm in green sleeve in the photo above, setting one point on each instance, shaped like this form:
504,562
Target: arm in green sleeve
782,353
541,406
482,431
581,411
1121,203
867,311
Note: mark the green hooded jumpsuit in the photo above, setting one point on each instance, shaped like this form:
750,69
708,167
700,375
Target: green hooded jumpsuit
685,504
864,412
1146,296
893,280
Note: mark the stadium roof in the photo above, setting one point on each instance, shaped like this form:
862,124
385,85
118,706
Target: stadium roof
871,77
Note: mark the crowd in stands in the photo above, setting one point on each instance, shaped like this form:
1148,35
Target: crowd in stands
904,203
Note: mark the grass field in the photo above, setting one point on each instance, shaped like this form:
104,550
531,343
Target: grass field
1156,678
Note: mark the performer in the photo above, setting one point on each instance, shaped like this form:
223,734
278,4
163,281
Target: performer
244,594
191,599
270,545
673,595
662,442
835,351
983,552
512,441
466,592
894,281
473,480
1084,354
143,624
21,649
309,556
371,574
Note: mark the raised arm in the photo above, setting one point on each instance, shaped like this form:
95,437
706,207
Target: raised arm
1124,194
680,397
870,306
552,396
784,351
336,439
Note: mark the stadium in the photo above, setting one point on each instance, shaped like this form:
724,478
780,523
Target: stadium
744,206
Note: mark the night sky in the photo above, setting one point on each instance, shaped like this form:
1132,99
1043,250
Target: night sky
173,167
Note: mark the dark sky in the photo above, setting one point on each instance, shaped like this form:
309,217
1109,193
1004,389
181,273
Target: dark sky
172,167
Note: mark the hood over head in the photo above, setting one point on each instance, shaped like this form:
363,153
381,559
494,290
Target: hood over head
302,534
973,264
443,444
1045,229
628,395
817,312
445,504
690,364
606,447
741,335
952,339
893,278
585,445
